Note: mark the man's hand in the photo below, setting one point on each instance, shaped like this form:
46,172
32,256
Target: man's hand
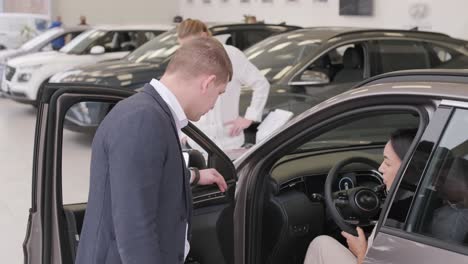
238,125
212,176
357,245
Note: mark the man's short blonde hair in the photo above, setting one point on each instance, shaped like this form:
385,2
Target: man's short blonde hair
202,55
191,27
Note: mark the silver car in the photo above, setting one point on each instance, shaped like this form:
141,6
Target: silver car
284,191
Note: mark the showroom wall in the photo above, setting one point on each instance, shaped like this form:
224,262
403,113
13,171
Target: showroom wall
447,16
116,11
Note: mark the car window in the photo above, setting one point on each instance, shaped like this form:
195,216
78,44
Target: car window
112,41
371,130
395,55
40,38
443,57
344,64
251,37
82,43
158,50
277,55
440,208
59,42
81,121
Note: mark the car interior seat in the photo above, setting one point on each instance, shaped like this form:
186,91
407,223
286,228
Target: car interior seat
353,69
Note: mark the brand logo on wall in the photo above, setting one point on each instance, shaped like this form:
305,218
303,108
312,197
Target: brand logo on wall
419,11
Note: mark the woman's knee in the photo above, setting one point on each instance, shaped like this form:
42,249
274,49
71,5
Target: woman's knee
321,241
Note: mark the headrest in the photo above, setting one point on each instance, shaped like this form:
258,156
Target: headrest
352,59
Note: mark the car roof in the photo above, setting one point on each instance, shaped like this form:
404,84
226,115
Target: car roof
251,25
134,27
331,34
443,84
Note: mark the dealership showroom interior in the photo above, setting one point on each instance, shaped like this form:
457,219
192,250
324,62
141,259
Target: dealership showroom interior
233,131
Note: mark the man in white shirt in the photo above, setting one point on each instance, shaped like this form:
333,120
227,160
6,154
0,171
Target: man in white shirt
223,124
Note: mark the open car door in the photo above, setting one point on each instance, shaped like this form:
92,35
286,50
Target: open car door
67,118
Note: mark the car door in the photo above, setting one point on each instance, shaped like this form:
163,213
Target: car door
61,178
427,217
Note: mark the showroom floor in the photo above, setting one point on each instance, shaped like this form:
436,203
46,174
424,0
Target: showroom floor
17,128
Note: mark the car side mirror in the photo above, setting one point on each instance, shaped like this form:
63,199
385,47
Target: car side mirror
96,50
311,77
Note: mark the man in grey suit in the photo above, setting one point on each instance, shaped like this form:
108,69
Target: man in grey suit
140,204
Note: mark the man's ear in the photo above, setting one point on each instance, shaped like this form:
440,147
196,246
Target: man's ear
208,82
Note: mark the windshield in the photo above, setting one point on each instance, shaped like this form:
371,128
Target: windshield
39,40
275,56
366,131
83,42
157,50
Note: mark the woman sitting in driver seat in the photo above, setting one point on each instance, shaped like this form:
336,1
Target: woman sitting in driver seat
327,250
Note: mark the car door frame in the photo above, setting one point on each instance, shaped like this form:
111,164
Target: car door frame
44,241
249,189
397,243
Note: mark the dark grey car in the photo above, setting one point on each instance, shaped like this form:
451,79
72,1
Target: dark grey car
308,66
282,191
305,66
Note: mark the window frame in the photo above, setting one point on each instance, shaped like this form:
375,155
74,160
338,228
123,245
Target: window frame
442,122
367,63
378,54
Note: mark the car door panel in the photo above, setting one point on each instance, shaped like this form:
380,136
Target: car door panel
54,227
388,248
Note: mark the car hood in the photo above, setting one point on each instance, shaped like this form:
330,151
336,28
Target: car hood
9,54
37,58
118,73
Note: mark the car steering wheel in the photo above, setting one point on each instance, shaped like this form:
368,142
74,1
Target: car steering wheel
362,202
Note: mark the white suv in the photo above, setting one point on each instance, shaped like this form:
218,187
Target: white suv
25,76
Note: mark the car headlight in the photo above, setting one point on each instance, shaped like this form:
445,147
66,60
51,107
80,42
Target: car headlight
24,77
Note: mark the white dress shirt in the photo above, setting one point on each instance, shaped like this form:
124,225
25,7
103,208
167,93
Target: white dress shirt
227,105
180,120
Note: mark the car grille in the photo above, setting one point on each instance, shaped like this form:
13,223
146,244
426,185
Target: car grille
9,73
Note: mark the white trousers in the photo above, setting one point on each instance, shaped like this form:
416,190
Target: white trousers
326,250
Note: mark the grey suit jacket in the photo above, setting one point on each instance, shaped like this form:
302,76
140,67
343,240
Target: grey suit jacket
140,198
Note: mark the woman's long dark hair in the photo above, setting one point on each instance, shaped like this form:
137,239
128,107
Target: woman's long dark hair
401,141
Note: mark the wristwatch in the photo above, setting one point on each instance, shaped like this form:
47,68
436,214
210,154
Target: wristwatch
197,175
